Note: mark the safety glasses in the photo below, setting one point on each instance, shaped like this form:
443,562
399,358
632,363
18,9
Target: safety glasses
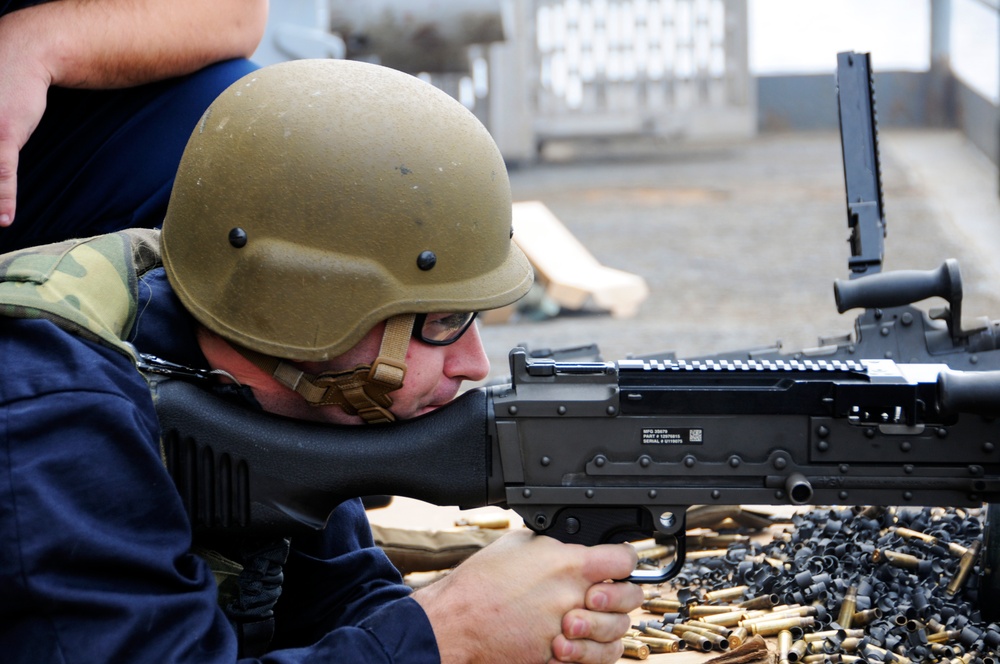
442,329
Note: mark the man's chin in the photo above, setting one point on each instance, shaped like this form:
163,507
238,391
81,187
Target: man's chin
426,410
440,401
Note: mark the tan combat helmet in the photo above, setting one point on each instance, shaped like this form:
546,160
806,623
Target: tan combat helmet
317,198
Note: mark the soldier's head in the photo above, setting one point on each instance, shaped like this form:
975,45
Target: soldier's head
324,209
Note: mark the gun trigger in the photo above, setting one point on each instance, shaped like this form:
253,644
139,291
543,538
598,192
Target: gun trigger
664,573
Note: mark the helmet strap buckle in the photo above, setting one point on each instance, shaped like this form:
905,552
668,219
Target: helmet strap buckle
363,391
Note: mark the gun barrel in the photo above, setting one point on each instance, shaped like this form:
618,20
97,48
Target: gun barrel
970,392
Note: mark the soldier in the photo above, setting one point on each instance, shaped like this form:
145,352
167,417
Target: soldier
332,230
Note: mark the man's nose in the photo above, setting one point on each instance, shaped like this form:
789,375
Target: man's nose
467,357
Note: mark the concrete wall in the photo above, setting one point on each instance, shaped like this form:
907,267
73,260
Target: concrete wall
903,99
979,120
808,102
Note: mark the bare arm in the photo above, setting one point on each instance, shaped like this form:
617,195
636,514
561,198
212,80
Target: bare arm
107,44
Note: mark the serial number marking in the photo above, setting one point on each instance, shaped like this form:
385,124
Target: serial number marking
674,436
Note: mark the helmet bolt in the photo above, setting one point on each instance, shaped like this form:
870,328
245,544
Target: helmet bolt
238,238
426,260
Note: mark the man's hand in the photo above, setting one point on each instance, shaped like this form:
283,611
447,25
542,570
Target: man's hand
531,599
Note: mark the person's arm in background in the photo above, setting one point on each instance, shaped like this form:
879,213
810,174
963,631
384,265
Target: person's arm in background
107,44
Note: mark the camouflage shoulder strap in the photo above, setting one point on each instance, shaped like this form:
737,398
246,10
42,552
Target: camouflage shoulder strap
88,286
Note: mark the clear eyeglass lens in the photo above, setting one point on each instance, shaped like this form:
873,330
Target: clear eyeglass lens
445,328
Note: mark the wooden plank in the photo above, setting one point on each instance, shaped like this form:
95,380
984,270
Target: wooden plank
571,275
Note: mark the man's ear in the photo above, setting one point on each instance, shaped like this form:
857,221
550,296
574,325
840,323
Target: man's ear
224,359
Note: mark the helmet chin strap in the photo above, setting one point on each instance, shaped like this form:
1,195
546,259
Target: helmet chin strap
362,391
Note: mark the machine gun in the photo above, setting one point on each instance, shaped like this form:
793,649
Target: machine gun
610,451
606,451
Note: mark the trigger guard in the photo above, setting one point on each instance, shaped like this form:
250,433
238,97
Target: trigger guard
664,573
676,530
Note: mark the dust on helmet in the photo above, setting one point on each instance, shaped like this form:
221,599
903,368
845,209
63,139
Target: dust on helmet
317,198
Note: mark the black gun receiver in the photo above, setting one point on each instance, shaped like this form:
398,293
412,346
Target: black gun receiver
606,451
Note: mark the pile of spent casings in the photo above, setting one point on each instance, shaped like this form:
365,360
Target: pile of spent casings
838,585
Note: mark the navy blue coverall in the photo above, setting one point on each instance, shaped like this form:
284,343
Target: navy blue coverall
95,554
